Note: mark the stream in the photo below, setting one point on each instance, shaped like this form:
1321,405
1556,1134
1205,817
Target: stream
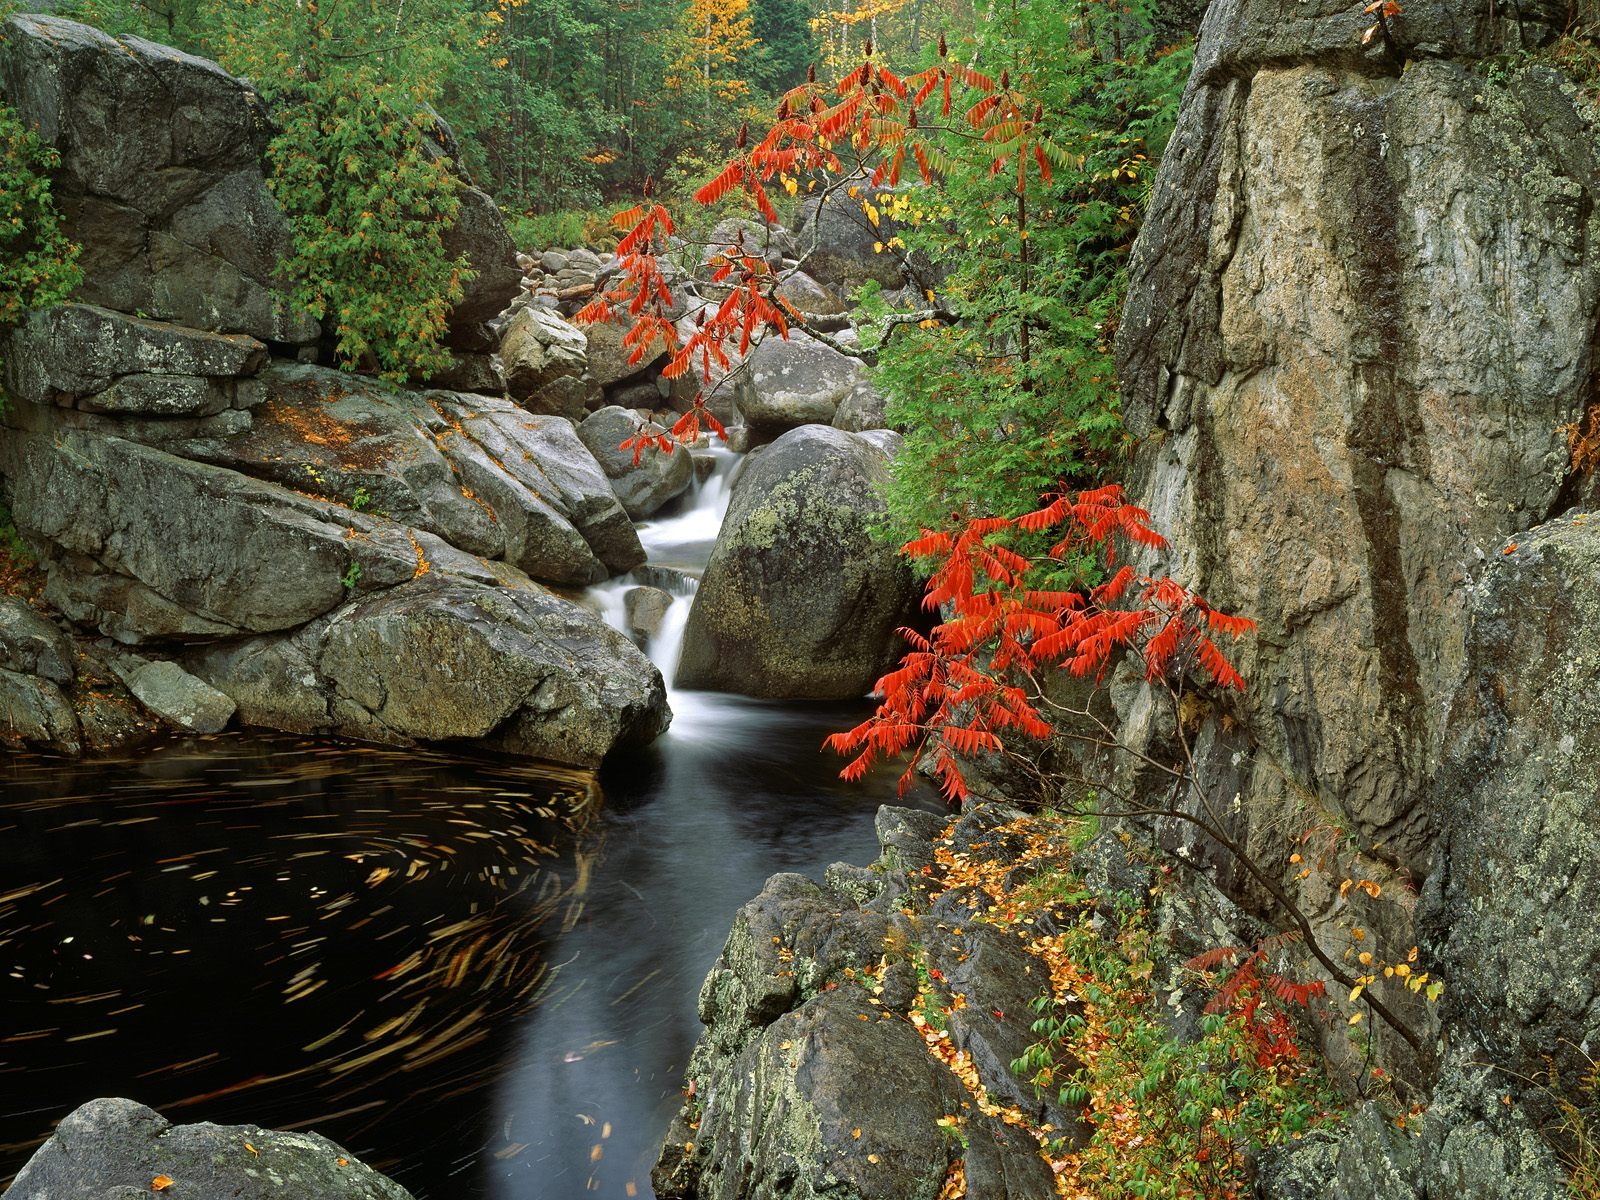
479,976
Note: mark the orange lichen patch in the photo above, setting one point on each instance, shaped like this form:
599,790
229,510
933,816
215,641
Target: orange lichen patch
423,565
351,445
480,502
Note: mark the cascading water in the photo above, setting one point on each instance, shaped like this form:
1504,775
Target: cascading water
677,548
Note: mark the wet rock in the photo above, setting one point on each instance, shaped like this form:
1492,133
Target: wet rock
799,599
646,608
644,485
112,1149
34,711
794,381
444,659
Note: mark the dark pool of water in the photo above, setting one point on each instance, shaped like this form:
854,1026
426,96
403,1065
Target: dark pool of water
479,977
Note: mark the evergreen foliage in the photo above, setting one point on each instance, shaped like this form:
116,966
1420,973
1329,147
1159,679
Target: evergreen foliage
1017,395
38,262
368,199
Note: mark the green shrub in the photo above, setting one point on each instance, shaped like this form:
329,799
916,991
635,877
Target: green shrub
369,202
38,262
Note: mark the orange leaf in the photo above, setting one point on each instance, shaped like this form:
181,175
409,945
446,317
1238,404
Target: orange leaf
161,1183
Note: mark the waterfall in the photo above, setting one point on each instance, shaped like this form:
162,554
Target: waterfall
677,548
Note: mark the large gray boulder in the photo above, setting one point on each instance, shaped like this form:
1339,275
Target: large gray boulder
161,180
1342,407
539,350
1518,808
442,659
117,1149
799,599
642,486
104,361
32,645
794,381
809,1080
35,712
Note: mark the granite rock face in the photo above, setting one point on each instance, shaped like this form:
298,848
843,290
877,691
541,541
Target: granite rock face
161,179
1364,301
1517,884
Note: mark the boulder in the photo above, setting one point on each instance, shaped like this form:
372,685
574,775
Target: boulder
841,246
799,599
177,697
117,363
863,408
537,349
794,381
160,179
479,472
442,659
32,645
34,711
479,234
755,238
802,1049
1517,802
646,608
809,296
644,485
609,359
1342,407
114,1149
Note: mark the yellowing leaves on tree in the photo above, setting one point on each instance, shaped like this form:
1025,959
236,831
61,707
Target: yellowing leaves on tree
714,36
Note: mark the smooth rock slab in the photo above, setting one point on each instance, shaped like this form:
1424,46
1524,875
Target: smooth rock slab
176,696
113,1149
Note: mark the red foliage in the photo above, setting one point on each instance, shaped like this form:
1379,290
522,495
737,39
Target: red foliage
1261,1003
961,688
872,115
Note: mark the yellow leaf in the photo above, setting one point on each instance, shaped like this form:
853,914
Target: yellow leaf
1355,993
856,1133
872,1158
1356,1020
252,1149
